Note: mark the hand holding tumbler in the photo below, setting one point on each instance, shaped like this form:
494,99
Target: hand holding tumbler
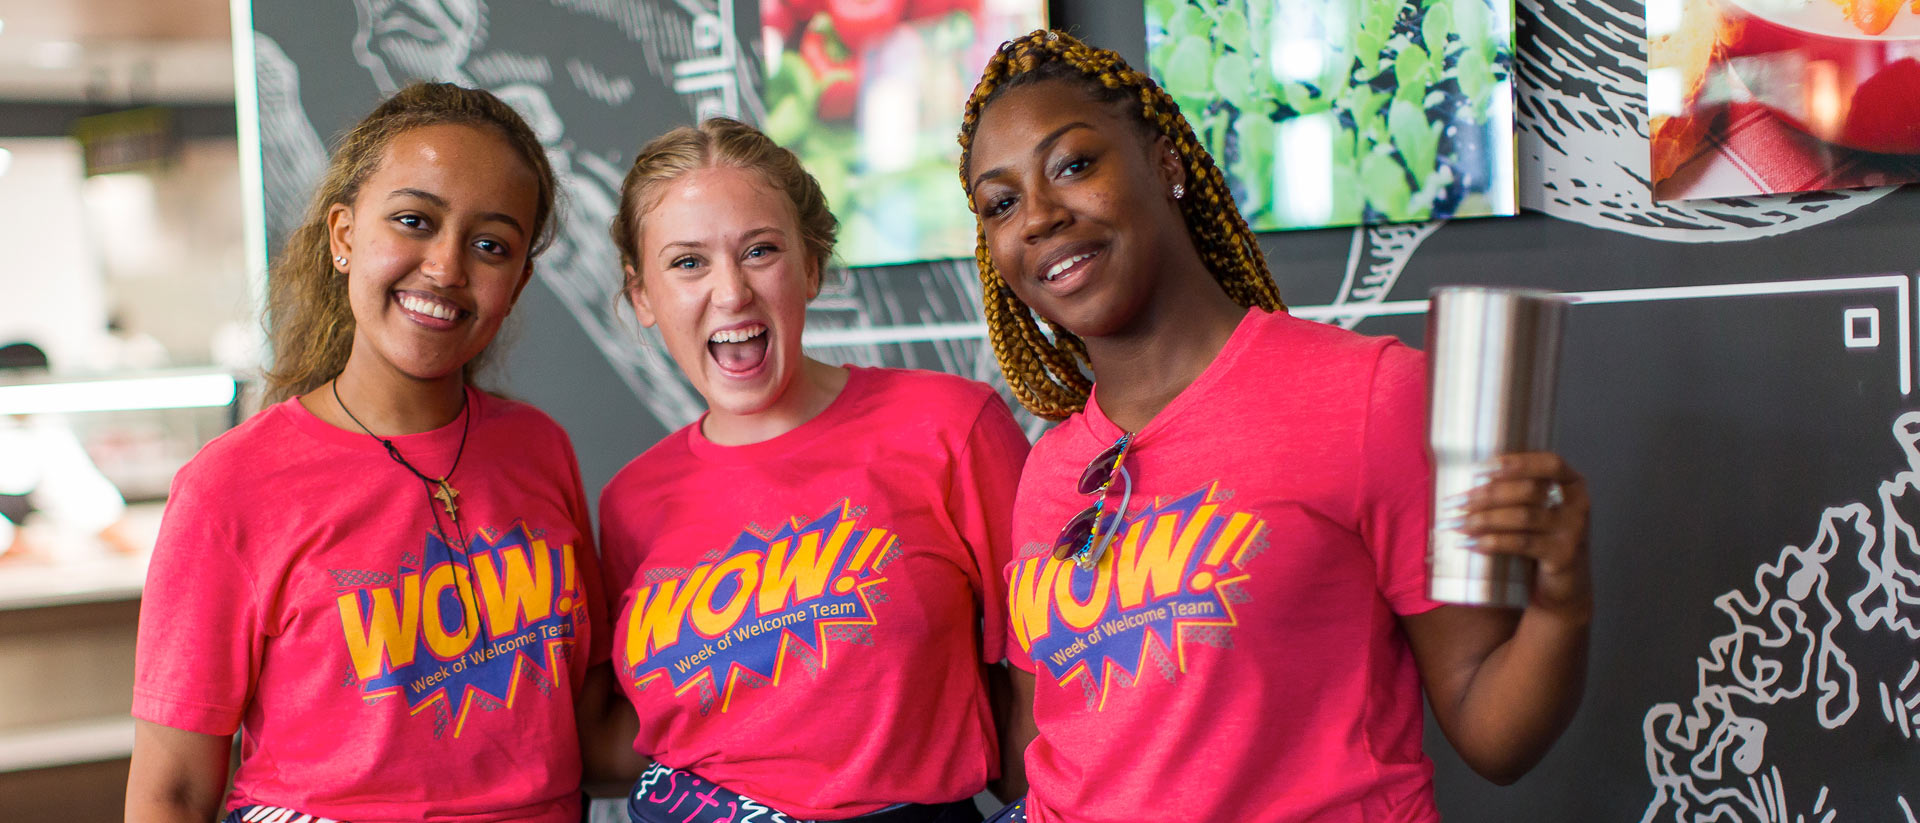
1493,359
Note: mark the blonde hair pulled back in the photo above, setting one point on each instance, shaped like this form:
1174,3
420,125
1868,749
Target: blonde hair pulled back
718,142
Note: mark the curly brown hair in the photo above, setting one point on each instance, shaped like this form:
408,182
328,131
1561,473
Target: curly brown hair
309,321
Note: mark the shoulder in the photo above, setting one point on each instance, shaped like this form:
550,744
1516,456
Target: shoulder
522,419
1295,353
1400,366
520,432
1316,340
259,444
223,483
663,462
943,401
926,388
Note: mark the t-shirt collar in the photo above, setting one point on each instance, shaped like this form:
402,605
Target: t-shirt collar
444,440
787,443
1100,428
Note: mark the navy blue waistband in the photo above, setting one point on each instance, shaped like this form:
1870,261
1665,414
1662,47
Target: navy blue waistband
668,795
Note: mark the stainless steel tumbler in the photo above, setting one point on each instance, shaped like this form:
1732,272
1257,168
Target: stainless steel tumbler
1493,358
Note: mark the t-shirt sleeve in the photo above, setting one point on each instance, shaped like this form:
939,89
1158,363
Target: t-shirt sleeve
201,628
1397,478
981,504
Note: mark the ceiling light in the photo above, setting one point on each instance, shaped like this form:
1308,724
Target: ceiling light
3,25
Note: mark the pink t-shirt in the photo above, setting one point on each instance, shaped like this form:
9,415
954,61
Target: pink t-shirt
301,593
1237,654
804,620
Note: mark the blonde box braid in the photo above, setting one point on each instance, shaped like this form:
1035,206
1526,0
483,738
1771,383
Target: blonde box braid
1046,375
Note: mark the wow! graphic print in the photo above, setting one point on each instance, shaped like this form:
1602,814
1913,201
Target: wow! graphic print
756,609
1171,580
454,633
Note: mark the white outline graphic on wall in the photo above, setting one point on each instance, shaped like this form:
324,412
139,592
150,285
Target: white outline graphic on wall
1707,759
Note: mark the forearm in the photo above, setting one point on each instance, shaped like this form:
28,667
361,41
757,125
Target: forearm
1504,688
175,776
1522,697
609,765
142,808
1012,693
607,725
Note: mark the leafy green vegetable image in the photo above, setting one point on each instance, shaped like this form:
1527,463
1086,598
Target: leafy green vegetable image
1344,112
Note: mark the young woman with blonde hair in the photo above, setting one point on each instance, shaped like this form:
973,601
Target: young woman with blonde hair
807,589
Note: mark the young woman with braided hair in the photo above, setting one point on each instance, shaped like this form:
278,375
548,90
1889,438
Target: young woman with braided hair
1237,627
385,580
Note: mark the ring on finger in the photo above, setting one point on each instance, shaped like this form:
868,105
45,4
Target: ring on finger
1556,495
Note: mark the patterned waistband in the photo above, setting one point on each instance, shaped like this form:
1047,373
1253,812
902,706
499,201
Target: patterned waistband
668,795
273,814
1015,812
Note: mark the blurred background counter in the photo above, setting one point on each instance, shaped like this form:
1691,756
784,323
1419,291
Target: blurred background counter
85,464
122,209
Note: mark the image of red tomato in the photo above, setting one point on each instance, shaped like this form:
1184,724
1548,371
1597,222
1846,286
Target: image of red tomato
923,9
788,16
837,69
860,22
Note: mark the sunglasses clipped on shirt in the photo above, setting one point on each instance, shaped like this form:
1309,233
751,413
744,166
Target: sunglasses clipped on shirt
1090,532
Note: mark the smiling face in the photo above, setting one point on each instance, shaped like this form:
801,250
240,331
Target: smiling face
436,243
1077,205
726,278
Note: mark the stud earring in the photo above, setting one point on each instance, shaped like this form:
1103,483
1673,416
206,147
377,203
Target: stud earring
341,263
1179,191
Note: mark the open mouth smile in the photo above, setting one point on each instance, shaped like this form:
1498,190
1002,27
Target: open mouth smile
741,350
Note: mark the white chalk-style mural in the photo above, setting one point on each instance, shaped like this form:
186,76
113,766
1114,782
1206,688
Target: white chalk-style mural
688,46
1807,646
1584,159
1582,115
399,40
1581,109
1583,135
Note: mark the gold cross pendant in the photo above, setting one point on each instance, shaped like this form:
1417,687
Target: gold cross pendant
445,494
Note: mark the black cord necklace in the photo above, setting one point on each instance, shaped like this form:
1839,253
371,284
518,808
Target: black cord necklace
438,489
